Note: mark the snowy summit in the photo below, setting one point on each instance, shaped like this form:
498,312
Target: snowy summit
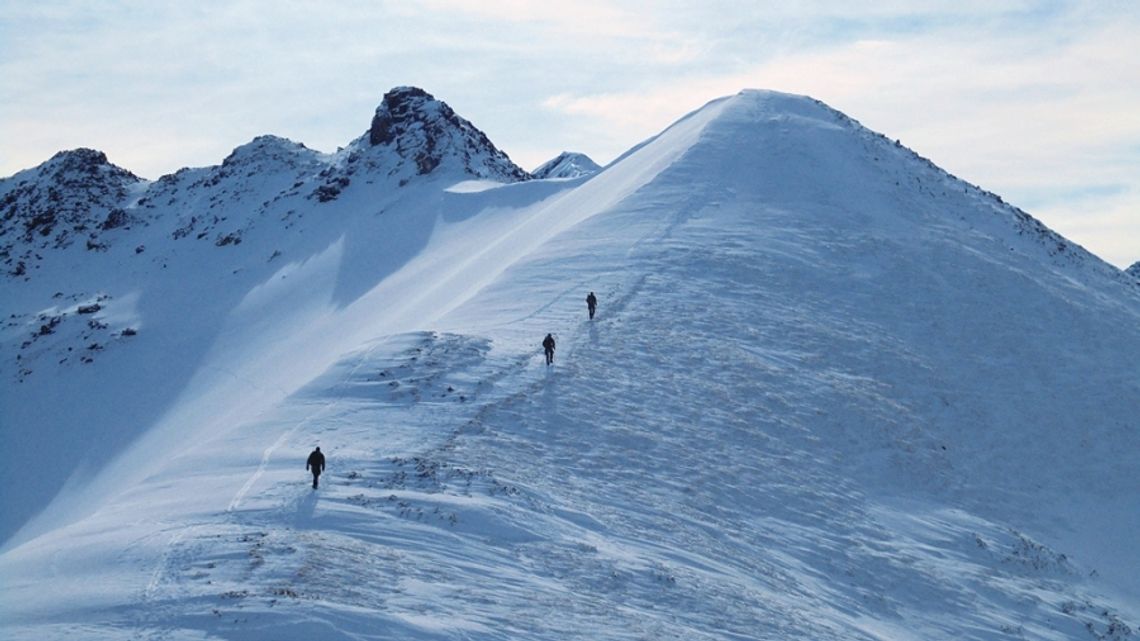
830,392
566,165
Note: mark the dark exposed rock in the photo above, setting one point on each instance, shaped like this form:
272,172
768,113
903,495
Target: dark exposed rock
76,193
428,133
331,189
117,217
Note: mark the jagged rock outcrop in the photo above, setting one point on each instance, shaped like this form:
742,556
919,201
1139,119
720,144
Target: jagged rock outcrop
429,134
1134,270
413,134
75,195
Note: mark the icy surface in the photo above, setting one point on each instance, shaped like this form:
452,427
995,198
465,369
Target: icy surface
830,392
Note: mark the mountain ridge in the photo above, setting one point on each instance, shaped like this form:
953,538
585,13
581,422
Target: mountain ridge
412,137
831,391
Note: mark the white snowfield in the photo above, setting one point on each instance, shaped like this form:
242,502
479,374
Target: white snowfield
831,392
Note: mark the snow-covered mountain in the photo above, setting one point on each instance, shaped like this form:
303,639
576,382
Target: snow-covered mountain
75,196
567,164
98,259
831,392
1134,269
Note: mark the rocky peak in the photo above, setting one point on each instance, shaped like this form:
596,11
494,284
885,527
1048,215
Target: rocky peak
1134,270
429,134
77,194
269,149
77,159
83,167
401,107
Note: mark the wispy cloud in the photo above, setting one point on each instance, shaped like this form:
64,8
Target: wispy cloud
1017,96
1018,111
592,19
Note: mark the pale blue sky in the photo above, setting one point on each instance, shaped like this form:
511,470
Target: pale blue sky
1035,100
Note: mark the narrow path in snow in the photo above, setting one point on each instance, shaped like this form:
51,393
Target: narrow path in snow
289,434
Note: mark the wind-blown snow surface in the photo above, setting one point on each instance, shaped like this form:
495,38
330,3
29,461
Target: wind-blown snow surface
830,392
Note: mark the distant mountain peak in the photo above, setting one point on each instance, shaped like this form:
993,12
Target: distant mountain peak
72,196
81,157
1134,270
429,133
568,164
266,146
76,164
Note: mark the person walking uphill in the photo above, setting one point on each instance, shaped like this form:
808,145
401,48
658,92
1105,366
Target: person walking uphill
548,347
591,304
316,463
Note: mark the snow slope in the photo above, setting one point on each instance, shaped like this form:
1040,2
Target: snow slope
831,392
194,255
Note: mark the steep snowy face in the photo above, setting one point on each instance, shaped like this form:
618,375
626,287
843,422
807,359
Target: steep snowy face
1134,270
427,134
794,150
75,197
567,164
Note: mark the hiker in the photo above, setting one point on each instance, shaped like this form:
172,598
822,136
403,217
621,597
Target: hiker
316,463
591,304
548,346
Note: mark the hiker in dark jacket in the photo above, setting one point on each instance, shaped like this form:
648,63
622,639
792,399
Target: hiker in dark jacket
316,463
548,346
591,304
